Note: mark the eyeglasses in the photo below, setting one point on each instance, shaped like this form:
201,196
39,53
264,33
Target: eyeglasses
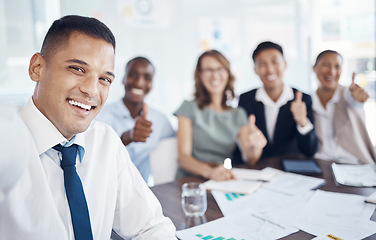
211,71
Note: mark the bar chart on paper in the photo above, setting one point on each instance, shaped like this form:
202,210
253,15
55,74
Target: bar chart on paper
233,196
210,237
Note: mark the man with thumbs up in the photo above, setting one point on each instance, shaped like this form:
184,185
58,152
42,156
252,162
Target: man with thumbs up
282,114
139,127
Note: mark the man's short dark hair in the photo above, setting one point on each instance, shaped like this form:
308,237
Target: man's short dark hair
266,45
136,59
61,29
325,52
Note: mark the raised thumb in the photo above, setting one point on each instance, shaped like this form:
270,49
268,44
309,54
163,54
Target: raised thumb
252,122
353,78
299,96
145,110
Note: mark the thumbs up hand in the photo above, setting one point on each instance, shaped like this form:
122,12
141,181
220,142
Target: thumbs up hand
299,110
252,122
358,93
142,127
251,140
145,110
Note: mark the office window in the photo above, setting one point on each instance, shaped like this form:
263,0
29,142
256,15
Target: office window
23,25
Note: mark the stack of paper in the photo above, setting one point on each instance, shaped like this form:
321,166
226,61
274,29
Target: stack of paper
246,225
291,183
355,175
257,175
246,182
343,215
233,186
263,201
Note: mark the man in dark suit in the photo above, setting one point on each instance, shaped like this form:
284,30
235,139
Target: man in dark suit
283,114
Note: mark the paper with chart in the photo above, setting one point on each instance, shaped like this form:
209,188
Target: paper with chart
246,225
264,201
343,215
361,175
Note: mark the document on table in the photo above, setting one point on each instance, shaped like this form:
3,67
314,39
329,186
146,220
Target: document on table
343,215
245,225
371,198
362,175
233,186
256,175
291,183
264,201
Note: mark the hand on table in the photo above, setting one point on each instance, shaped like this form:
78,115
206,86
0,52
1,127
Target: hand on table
220,173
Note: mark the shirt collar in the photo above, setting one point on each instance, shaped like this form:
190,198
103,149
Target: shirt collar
316,103
287,95
123,110
45,134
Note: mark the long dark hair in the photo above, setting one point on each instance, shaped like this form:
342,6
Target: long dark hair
201,95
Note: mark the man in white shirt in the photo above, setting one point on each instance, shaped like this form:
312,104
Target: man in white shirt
283,114
73,74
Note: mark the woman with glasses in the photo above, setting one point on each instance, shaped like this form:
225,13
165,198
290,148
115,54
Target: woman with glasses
208,128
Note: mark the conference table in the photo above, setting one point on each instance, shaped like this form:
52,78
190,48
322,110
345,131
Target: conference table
169,195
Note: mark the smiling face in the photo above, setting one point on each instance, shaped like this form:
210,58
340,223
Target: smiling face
214,75
73,84
270,66
328,70
138,81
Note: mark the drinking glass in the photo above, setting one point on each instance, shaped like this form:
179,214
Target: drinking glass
193,199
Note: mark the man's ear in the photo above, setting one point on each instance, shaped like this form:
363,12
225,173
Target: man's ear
36,67
255,69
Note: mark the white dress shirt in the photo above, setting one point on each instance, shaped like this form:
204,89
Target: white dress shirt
12,161
330,149
272,109
36,206
119,118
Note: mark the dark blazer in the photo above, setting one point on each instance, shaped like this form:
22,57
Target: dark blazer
287,139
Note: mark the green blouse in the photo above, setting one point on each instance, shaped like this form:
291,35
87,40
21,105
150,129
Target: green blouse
214,133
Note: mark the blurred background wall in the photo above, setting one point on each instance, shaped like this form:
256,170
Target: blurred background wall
173,33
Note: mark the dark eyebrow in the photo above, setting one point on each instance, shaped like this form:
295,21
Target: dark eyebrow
111,74
84,63
78,61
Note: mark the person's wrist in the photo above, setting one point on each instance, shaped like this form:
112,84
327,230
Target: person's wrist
207,174
303,122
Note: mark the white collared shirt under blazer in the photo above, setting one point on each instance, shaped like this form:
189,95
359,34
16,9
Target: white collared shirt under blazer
341,130
118,199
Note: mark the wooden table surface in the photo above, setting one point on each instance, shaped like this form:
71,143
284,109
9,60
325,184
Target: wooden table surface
169,195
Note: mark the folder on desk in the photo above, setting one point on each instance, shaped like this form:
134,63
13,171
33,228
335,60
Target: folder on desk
362,175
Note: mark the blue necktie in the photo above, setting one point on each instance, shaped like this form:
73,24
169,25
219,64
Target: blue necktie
75,193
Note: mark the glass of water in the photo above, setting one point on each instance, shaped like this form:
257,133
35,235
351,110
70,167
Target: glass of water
193,199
